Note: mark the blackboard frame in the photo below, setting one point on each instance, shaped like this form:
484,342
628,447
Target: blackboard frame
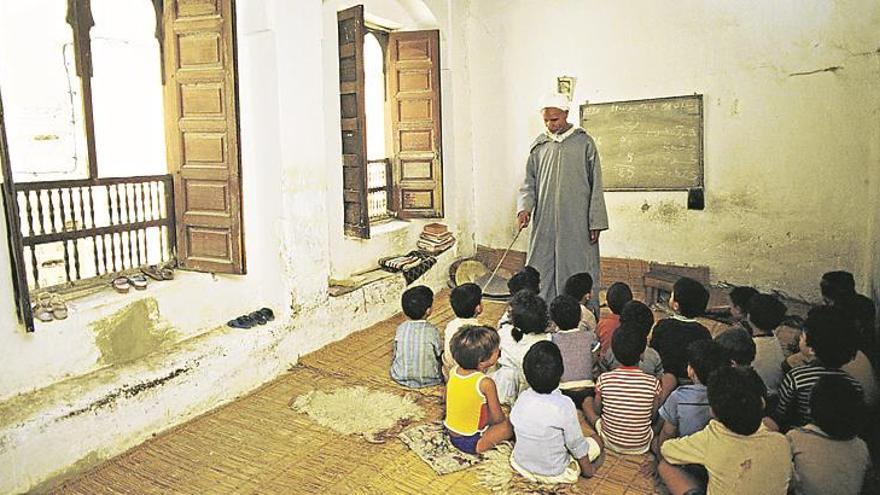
700,183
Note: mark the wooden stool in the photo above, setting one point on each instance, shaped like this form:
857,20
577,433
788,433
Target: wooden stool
656,283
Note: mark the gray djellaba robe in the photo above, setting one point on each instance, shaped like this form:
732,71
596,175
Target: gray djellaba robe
563,190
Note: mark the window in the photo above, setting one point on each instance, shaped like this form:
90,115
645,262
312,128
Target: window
378,165
85,129
403,176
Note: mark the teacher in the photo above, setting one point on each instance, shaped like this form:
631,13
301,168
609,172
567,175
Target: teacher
562,198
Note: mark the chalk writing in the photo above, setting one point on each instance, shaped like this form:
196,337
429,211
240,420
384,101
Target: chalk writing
648,144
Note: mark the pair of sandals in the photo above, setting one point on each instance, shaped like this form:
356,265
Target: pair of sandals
258,317
49,307
158,273
123,284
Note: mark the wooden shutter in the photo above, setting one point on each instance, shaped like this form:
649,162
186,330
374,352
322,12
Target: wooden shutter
13,230
414,104
202,134
354,121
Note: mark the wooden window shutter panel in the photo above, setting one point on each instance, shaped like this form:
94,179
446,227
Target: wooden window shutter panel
356,216
414,103
201,124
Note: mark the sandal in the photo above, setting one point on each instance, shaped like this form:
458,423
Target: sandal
153,272
243,321
139,282
158,273
258,317
42,310
121,284
267,313
59,308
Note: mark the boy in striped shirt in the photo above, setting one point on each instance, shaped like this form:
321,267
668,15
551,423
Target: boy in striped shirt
417,344
626,398
830,336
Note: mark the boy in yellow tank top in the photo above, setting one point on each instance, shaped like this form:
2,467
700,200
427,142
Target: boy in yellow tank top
474,419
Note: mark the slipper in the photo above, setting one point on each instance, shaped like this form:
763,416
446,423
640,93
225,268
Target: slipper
158,273
267,313
153,272
258,317
59,309
243,321
42,310
139,282
121,284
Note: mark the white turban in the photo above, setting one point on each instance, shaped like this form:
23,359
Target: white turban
555,100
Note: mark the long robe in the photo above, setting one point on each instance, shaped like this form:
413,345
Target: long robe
563,190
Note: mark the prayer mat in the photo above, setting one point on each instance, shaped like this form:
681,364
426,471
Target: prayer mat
431,443
373,414
496,474
413,264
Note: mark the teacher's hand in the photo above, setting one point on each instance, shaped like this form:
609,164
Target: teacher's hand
523,218
594,236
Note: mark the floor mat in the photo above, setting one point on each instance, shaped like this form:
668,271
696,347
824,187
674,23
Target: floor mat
358,410
431,443
496,474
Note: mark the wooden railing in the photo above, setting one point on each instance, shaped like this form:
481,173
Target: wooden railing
76,231
378,188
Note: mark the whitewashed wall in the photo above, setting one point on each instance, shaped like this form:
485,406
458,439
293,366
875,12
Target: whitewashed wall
67,391
787,156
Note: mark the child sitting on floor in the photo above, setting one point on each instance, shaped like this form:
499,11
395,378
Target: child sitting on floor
828,456
550,446
671,336
637,315
474,419
839,289
739,305
740,454
466,304
417,345
580,287
626,398
529,321
686,411
616,296
737,347
526,279
766,313
577,346
830,336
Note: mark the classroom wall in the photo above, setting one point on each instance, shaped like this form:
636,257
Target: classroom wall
123,367
789,145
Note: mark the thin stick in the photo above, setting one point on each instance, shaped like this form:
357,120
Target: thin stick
489,281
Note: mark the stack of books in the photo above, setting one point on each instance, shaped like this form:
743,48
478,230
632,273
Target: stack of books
435,238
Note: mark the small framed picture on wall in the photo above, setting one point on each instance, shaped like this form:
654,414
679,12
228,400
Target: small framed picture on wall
565,86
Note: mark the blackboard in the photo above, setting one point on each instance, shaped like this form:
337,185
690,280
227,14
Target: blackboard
648,145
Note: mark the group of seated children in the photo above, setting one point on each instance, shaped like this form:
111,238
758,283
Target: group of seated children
710,409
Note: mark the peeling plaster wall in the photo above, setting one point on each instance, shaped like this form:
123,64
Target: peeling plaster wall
788,146
125,366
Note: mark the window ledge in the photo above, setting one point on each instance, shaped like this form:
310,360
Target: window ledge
355,282
388,226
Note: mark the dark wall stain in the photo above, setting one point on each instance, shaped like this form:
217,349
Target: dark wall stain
129,391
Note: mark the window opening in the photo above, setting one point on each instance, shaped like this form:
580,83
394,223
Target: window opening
378,165
67,225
